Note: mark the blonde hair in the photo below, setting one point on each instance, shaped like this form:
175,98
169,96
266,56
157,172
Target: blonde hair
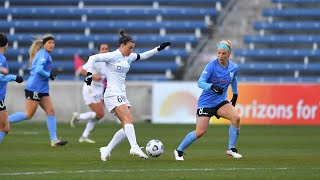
226,42
36,45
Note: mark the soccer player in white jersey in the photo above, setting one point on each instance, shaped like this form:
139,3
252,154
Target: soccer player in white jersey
215,80
93,97
118,64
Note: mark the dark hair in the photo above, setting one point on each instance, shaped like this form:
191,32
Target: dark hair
124,37
3,40
100,44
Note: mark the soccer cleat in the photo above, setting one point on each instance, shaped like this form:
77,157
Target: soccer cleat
74,120
234,153
58,142
87,140
104,153
137,151
177,157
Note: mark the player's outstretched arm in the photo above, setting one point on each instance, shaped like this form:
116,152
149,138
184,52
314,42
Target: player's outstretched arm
153,51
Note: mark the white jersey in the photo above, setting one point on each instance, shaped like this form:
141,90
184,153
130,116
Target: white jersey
117,68
96,87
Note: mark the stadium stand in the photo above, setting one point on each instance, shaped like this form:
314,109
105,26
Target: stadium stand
80,25
286,46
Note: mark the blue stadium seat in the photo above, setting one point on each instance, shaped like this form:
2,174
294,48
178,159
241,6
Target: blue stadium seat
282,79
288,53
153,66
112,1
130,77
61,52
103,24
79,25
286,38
102,12
296,1
278,66
296,12
287,25
81,38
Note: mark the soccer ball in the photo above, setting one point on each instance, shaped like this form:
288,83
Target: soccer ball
154,148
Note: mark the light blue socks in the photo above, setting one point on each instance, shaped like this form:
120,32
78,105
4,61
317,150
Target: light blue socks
2,134
17,117
52,127
233,136
187,141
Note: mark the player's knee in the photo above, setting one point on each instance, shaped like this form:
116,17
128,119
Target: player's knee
200,132
236,121
99,115
29,115
5,128
50,112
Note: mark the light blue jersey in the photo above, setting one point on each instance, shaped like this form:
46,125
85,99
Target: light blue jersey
215,74
40,72
3,84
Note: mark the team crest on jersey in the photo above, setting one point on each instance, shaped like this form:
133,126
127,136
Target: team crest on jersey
231,74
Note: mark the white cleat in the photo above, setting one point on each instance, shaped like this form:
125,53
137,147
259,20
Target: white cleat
137,151
74,120
104,153
234,153
177,157
87,140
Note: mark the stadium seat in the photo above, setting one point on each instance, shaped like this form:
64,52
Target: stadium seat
103,12
276,53
80,25
81,38
283,79
278,66
296,12
296,1
287,25
60,52
286,38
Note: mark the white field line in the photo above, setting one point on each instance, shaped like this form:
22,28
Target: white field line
25,132
148,170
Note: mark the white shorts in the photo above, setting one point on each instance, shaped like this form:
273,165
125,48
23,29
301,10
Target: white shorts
89,97
113,101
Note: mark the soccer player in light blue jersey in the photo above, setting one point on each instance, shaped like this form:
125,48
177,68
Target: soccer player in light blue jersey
214,80
4,79
37,87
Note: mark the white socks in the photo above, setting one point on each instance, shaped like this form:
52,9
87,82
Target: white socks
118,137
89,127
86,116
131,135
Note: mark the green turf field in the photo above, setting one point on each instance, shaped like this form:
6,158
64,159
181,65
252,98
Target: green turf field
270,152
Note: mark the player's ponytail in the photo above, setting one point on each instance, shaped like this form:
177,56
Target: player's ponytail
124,37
